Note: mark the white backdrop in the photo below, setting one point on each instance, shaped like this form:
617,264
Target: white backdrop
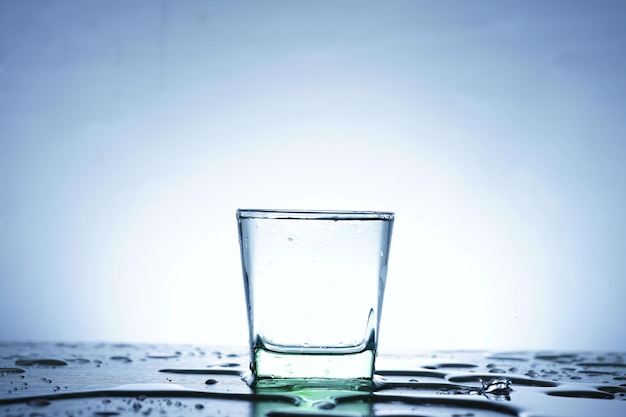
130,132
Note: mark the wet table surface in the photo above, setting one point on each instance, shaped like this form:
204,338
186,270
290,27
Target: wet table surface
140,380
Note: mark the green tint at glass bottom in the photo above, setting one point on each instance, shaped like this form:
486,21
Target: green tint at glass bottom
268,364
315,397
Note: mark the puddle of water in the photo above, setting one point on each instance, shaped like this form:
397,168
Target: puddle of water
40,362
104,380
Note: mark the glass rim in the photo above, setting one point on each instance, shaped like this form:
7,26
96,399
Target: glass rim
314,214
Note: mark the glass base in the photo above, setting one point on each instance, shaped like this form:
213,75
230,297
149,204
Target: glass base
268,364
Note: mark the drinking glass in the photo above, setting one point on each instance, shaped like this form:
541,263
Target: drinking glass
314,284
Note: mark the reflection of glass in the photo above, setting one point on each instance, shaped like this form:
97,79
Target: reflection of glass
313,397
314,285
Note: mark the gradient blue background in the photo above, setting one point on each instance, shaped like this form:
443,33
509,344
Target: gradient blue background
131,131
